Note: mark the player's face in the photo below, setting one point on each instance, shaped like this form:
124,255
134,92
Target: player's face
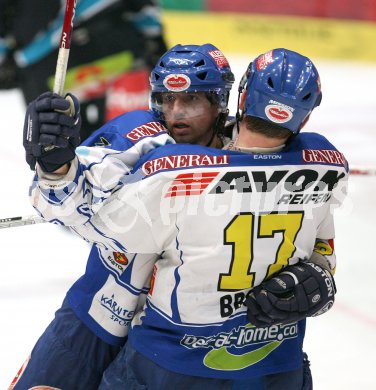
190,117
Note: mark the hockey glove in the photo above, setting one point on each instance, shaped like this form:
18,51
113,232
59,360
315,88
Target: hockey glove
299,291
51,131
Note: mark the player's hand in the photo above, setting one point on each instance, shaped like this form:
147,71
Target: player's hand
51,131
299,291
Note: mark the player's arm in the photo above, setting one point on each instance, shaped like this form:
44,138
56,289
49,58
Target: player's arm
305,289
51,135
132,220
71,183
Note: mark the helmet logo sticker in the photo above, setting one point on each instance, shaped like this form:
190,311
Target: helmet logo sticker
264,60
277,113
177,82
179,61
219,58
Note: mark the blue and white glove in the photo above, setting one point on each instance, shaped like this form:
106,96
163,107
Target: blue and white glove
298,291
51,131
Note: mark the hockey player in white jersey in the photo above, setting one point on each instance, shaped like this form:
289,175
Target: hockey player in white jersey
91,326
226,223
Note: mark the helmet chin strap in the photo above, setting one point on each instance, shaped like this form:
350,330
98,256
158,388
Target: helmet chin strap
238,115
218,125
214,130
242,86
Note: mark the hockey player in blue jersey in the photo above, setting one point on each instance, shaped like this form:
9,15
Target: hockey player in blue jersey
91,326
282,89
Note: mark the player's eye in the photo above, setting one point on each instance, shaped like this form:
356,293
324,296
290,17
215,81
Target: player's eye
168,98
192,97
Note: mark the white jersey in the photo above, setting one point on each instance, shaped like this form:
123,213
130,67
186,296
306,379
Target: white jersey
93,175
223,222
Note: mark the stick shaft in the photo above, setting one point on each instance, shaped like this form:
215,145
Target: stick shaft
65,42
20,221
60,73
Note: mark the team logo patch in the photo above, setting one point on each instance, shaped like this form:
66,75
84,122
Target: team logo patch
278,114
177,82
120,258
219,58
187,184
264,60
324,248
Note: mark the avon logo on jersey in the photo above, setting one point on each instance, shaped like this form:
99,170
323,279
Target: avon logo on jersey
183,161
190,184
324,156
148,129
260,181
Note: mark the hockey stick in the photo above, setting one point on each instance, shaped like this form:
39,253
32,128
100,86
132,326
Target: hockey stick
20,221
60,73
65,42
63,55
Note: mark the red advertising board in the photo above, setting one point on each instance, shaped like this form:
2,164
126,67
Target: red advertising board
342,9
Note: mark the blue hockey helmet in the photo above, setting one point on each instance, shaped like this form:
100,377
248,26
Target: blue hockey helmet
192,68
283,87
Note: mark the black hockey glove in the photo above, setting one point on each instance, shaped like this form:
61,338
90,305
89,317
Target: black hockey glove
299,291
51,131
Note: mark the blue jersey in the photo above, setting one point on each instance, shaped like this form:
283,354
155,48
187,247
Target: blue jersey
107,296
223,222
